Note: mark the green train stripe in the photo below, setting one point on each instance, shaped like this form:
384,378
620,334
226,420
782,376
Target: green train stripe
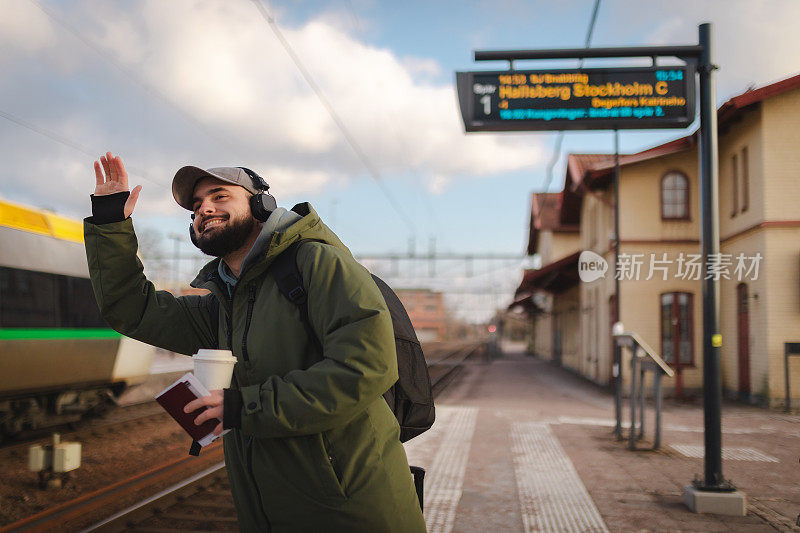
57,333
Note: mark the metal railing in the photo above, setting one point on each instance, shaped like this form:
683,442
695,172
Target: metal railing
643,358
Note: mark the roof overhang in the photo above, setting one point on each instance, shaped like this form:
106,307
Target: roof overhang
554,278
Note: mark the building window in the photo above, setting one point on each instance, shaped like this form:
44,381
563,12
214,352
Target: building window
675,196
734,185
677,329
745,180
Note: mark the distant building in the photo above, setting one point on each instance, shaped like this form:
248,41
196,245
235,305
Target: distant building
660,296
426,311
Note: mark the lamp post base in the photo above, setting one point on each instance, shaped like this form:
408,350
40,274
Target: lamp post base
714,502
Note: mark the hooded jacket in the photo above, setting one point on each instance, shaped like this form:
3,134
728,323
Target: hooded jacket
318,448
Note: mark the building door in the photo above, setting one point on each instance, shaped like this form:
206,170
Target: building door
677,334
743,336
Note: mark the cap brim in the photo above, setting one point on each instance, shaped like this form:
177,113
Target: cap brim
183,184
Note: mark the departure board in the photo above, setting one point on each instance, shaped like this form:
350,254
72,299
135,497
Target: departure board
602,98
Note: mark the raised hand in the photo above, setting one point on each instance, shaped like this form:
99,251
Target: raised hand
111,177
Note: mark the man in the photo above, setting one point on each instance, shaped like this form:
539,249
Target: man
314,446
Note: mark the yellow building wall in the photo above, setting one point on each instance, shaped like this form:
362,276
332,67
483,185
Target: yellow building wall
781,275
565,244
597,221
641,309
597,227
566,320
640,199
553,246
781,164
770,133
781,184
747,133
542,345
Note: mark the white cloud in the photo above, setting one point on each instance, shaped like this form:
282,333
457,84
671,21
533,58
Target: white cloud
233,95
224,67
754,42
23,27
438,183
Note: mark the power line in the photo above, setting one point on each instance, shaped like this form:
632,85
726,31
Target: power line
560,138
362,156
72,144
149,89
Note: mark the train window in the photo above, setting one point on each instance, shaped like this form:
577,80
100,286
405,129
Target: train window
41,300
78,305
28,299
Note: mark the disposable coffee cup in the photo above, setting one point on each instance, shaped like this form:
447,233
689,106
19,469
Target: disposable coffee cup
214,368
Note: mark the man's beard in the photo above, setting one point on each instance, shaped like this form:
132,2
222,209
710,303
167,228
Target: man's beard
229,238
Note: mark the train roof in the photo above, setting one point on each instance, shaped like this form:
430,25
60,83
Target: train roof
41,222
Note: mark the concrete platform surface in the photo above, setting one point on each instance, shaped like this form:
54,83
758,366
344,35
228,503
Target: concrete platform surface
521,445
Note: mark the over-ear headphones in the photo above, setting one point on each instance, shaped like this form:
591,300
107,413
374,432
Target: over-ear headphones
191,232
262,204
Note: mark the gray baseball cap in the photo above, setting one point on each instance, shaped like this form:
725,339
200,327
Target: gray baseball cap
187,177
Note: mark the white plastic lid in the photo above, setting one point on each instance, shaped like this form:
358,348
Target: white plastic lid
221,356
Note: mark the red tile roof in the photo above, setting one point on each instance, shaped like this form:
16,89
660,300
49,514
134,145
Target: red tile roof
735,105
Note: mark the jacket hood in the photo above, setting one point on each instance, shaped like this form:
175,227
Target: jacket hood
310,226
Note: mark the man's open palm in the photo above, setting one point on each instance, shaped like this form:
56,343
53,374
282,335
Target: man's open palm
110,178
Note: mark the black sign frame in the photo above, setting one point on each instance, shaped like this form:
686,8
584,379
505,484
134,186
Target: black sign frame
464,85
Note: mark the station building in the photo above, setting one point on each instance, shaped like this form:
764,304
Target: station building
427,313
660,289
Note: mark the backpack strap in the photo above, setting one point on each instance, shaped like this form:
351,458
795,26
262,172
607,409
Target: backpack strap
213,309
290,285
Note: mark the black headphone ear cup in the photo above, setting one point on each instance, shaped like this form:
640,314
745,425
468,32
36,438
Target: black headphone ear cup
261,205
191,234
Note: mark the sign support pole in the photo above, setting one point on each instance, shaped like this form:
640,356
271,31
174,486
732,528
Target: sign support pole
617,312
713,493
709,216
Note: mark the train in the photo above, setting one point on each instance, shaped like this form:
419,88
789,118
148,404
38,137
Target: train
59,360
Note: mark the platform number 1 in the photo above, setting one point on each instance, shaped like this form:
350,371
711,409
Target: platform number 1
486,100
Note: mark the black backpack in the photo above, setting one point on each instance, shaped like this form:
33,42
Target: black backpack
411,397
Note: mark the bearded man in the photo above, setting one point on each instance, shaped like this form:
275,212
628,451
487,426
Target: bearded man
313,446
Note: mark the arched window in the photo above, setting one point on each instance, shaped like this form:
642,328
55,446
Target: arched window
674,196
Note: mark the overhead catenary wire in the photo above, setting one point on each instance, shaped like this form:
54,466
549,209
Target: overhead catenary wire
560,137
362,156
53,136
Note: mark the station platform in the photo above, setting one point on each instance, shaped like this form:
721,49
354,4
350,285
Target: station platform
521,445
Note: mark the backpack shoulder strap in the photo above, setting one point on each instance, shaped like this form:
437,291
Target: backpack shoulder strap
213,310
290,284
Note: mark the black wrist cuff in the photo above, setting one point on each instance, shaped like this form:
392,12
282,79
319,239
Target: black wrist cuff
231,409
109,207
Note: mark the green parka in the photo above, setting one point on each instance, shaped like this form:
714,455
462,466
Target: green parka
319,448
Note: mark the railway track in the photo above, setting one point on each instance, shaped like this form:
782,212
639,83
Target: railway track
202,500
77,514
443,367
89,428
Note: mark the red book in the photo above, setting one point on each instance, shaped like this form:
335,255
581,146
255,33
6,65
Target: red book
175,397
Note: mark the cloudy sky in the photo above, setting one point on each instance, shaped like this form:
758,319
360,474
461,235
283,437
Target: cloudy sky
211,83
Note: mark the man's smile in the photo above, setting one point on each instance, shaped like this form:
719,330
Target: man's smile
211,222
